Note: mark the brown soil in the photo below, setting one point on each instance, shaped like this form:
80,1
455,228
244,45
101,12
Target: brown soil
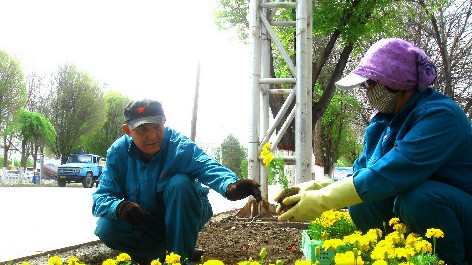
232,239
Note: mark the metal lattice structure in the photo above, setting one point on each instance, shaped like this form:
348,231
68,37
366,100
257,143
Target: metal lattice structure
262,23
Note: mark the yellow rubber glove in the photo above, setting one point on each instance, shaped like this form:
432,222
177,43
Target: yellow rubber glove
312,203
302,187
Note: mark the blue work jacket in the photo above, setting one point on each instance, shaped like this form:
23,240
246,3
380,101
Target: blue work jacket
126,176
431,138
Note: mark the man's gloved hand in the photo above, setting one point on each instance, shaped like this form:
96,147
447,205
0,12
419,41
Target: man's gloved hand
311,204
302,187
132,213
243,188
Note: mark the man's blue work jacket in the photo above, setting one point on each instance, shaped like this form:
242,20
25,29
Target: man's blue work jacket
431,138
127,177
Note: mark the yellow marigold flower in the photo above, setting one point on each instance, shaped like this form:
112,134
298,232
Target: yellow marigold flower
265,149
268,158
263,153
365,242
411,240
156,262
382,249
404,252
328,218
303,262
73,261
347,258
402,228
123,257
334,243
374,235
433,232
395,237
172,258
412,236
353,238
25,263
109,262
423,246
266,146
393,221
54,260
213,262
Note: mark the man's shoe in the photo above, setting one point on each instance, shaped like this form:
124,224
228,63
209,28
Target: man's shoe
197,255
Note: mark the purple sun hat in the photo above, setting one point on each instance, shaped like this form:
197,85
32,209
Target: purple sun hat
395,63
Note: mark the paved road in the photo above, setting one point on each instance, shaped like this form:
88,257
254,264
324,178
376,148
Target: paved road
39,219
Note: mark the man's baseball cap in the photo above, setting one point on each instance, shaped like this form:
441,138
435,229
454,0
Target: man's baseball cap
144,111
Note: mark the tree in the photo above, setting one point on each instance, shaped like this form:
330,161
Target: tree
443,29
9,136
232,154
12,98
79,110
337,131
244,168
36,131
102,138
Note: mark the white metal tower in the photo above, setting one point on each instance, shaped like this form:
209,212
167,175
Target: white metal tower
262,23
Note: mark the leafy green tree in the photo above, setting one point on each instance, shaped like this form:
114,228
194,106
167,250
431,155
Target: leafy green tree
102,138
12,88
337,129
36,131
244,168
12,99
9,136
232,154
79,110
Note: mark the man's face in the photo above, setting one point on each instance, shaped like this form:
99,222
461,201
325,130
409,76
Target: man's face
148,137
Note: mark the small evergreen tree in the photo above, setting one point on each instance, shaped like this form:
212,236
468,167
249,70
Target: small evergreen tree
232,154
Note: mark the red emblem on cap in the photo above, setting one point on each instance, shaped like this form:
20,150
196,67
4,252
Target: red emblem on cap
140,110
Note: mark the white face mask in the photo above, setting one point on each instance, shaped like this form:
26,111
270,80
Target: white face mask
381,99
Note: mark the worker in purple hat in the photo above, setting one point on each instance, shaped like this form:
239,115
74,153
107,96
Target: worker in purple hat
150,199
417,158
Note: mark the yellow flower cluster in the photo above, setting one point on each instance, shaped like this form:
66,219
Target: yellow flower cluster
123,257
357,248
434,233
331,225
266,154
275,166
347,258
330,217
55,260
172,258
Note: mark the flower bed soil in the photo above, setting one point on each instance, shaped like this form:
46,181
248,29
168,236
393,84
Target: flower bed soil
225,237
230,239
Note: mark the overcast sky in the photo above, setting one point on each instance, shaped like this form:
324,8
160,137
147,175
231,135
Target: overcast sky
141,48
